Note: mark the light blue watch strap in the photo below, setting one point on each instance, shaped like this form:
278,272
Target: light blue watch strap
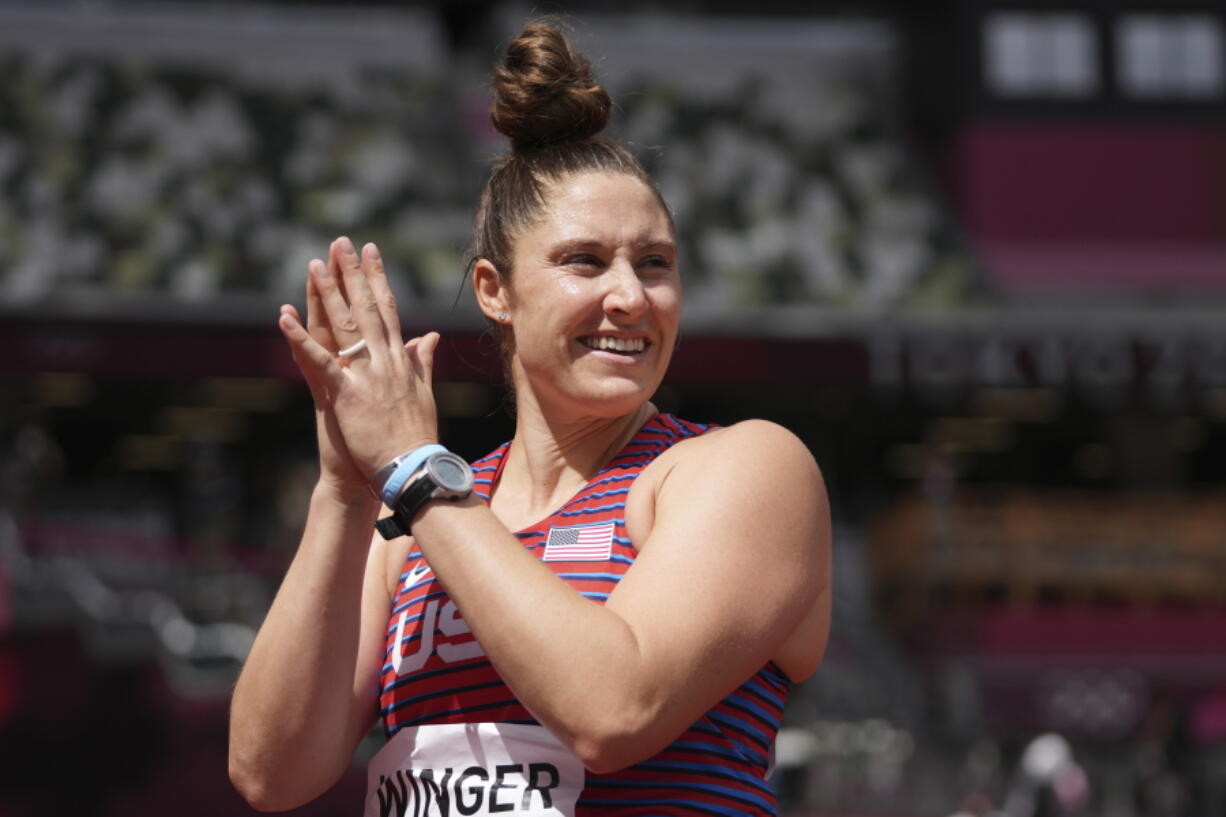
407,467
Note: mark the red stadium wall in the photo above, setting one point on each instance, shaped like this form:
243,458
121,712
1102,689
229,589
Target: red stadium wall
1097,206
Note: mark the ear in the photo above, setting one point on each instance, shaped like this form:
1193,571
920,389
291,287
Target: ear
493,295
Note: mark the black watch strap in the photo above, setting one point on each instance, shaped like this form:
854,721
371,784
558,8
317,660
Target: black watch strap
401,521
389,527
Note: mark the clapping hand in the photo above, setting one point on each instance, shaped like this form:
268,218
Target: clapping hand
376,401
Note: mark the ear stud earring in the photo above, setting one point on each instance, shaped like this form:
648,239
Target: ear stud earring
502,316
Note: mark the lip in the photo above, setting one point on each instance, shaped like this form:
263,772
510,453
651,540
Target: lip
620,334
615,358
622,358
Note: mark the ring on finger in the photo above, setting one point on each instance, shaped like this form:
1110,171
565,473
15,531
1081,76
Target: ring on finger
350,351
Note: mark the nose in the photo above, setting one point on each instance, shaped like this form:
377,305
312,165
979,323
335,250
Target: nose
626,295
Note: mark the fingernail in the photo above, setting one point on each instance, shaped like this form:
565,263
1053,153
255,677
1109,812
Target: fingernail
373,252
321,269
347,246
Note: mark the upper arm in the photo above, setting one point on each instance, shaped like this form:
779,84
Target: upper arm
736,558
372,635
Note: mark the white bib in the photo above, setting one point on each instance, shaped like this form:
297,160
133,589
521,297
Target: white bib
467,769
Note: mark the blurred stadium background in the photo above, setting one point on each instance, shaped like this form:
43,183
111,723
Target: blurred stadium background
974,253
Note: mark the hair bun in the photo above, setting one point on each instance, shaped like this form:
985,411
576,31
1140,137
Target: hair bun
544,92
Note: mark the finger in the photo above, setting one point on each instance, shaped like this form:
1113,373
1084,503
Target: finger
317,323
421,352
313,359
315,380
292,311
410,353
334,266
337,315
428,347
363,307
376,279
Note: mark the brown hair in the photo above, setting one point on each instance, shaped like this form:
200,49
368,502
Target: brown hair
550,106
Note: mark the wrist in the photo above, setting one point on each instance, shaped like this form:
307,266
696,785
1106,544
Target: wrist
424,475
344,493
397,449
389,480
428,511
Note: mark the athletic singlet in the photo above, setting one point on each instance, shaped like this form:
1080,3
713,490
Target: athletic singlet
460,743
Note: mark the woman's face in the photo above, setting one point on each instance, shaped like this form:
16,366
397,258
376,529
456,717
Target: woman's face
595,296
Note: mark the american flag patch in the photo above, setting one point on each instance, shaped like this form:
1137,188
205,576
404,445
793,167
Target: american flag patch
579,543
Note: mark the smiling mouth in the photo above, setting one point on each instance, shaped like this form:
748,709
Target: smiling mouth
621,346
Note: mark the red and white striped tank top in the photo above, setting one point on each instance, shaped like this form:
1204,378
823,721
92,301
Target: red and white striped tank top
435,673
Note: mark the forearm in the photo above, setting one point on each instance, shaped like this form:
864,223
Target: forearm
576,665
728,567
294,719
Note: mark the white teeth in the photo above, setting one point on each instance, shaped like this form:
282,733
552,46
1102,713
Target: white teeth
616,344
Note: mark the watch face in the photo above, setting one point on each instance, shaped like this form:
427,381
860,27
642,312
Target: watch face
450,472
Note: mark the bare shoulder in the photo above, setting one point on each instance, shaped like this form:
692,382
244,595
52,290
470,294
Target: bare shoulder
757,481
754,447
756,469
763,436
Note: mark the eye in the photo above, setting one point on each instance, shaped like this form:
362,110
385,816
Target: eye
656,265
583,260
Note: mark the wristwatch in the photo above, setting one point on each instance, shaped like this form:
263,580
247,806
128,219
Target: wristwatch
443,475
392,477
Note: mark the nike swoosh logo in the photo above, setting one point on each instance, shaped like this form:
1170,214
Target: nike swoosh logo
416,574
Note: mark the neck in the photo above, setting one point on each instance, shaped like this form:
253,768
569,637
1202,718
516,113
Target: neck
551,457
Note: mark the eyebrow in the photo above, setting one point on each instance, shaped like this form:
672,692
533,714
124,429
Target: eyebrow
570,245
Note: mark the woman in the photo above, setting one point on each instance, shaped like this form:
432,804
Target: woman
610,618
